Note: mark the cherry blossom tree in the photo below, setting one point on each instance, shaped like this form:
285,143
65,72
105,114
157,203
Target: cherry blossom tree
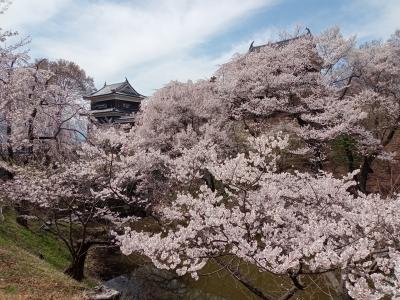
285,223
180,114
203,162
325,87
12,56
71,200
366,77
375,68
307,85
45,107
40,102
81,200
286,80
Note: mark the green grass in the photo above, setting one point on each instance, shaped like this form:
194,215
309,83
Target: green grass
10,290
36,241
24,275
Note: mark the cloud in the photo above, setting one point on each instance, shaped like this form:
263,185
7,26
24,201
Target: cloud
22,14
154,41
111,39
378,19
262,36
193,67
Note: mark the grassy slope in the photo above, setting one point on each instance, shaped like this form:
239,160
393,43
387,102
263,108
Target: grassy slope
23,275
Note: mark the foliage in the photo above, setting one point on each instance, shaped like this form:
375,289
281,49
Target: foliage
344,152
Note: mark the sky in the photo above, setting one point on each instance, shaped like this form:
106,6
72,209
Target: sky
152,42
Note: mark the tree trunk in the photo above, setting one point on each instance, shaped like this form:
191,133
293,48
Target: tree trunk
77,265
364,173
31,135
210,180
10,150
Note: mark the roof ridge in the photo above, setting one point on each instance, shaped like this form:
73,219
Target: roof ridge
129,84
121,85
123,88
307,33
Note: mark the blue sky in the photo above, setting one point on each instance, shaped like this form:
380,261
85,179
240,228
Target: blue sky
152,42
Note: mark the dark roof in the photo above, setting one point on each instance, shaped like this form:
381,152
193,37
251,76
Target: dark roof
122,88
279,43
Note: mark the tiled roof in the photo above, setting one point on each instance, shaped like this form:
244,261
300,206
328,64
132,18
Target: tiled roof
123,88
107,89
279,43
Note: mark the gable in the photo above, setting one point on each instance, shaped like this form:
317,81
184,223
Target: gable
127,89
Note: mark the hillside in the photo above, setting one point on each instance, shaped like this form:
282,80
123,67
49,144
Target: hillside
31,264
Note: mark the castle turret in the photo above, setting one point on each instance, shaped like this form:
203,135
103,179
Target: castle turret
115,103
